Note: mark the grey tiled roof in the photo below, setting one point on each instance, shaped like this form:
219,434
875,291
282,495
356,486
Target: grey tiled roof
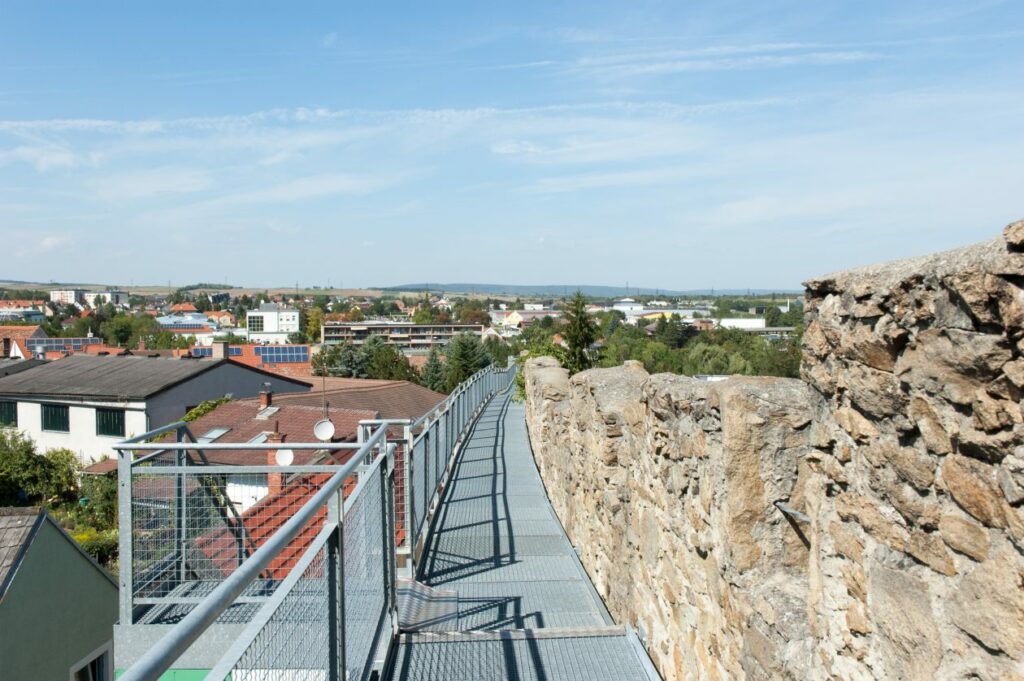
16,530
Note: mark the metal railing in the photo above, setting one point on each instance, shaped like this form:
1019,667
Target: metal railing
305,556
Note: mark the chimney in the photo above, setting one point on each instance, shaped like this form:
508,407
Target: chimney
266,399
275,481
220,350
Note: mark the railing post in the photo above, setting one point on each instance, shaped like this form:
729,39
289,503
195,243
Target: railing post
126,592
181,509
334,653
387,470
408,492
336,590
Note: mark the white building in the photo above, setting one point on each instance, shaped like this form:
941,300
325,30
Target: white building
747,324
87,404
533,307
70,296
272,323
117,298
627,305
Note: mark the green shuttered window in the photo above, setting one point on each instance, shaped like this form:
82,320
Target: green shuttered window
110,422
55,417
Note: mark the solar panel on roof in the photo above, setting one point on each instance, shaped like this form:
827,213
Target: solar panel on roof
49,344
283,354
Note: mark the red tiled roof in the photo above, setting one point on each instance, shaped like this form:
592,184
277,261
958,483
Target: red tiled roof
19,304
188,332
183,307
294,422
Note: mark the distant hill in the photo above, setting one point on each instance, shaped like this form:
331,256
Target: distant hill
569,289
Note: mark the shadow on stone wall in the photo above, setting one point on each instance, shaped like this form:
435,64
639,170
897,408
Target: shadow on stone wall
899,464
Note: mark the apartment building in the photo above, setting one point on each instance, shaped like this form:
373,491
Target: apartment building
405,335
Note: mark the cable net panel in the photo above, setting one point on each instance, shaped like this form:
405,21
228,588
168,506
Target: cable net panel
366,575
293,645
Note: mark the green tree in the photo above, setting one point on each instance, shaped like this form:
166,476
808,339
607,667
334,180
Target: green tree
386,362
465,355
28,478
433,374
314,320
498,350
773,316
579,333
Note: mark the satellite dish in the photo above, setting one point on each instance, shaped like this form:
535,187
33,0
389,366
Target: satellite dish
284,457
323,430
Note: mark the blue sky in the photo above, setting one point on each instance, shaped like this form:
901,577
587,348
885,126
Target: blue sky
668,144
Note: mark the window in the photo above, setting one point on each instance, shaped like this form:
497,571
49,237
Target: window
254,322
97,666
110,422
55,417
8,413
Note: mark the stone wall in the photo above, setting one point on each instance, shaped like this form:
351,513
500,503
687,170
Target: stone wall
899,460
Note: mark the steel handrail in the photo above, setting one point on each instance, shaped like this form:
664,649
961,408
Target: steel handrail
168,649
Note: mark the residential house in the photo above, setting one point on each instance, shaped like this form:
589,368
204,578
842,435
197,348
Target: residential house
57,606
221,318
265,420
88,403
13,340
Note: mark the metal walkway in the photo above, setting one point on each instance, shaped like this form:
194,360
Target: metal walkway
524,609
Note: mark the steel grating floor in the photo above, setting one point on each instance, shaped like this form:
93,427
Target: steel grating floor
526,609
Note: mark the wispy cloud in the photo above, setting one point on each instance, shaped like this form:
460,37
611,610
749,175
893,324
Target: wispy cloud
329,40
41,157
149,183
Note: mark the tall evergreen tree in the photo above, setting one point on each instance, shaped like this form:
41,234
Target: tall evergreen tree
580,333
465,356
433,374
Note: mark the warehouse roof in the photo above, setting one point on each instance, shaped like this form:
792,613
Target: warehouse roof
84,376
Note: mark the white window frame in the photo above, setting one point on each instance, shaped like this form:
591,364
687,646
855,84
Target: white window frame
105,649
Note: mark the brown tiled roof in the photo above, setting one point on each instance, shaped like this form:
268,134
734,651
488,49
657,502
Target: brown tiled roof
101,467
294,421
391,399
18,332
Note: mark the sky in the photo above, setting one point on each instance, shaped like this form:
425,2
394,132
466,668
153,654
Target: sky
675,145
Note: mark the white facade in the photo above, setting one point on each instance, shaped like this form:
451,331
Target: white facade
81,437
117,298
140,416
71,296
533,306
271,319
742,323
